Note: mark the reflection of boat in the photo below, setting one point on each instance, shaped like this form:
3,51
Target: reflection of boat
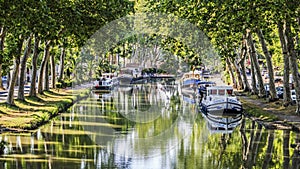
220,100
190,81
222,124
189,99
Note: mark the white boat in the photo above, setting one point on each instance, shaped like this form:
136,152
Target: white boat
102,85
220,100
203,85
127,74
106,83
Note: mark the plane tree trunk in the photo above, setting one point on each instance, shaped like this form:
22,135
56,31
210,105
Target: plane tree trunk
61,64
273,94
2,38
53,75
43,67
27,52
239,81
231,73
253,55
286,87
35,55
293,61
15,73
246,86
46,76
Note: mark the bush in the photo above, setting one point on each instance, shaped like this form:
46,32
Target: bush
58,85
64,84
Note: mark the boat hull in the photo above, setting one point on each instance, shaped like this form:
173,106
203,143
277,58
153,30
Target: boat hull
222,108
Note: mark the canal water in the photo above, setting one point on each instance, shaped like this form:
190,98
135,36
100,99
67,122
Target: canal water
148,126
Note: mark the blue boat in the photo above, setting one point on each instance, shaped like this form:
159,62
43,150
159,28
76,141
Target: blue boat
190,81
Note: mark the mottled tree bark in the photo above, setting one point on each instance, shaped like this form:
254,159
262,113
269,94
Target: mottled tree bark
296,152
286,150
61,64
242,65
239,81
286,74
229,68
27,52
269,150
248,158
46,76
253,79
14,76
293,62
53,75
35,55
256,142
43,65
262,40
253,55
2,38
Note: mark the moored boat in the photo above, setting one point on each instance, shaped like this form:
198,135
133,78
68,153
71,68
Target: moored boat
203,85
129,74
190,81
106,83
220,100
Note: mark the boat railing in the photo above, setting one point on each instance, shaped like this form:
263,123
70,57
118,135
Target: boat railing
219,103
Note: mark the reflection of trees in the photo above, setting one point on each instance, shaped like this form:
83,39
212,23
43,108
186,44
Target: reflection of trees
156,126
296,153
69,142
143,103
252,145
286,151
269,150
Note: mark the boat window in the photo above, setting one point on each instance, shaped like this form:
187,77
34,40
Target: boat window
221,91
213,91
229,92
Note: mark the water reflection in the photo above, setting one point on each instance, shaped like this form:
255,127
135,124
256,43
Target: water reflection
222,123
149,126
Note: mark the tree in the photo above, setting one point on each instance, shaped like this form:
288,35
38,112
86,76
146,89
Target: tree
243,55
253,55
46,56
27,52
2,38
61,64
273,93
287,92
35,55
17,46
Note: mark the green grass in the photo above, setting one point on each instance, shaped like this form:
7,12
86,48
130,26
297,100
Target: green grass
35,111
257,112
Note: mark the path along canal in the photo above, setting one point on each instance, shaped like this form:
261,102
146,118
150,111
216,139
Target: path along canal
147,126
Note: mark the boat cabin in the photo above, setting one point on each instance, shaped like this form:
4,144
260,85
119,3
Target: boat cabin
192,75
220,91
108,75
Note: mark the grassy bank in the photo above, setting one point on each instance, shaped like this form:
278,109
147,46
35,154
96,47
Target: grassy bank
270,114
35,111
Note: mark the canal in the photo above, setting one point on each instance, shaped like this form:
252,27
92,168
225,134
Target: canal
147,126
